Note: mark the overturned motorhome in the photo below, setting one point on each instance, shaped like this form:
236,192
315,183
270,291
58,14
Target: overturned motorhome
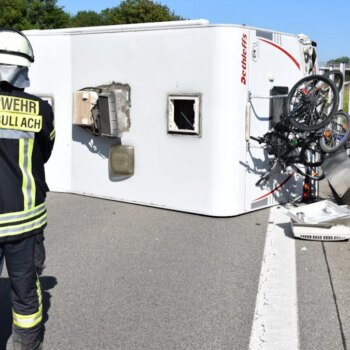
161,114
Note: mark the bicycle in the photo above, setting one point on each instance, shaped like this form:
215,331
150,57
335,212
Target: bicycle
299,140
311,102
336,134
290,150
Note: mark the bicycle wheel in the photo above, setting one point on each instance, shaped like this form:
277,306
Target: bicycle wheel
311,154
311,102
336,134
337,77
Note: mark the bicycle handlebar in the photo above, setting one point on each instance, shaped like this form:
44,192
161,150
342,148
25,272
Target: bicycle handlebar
257,139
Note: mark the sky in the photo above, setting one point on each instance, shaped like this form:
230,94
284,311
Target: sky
325,22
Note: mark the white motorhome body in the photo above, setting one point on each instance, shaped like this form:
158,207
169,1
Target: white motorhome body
208,168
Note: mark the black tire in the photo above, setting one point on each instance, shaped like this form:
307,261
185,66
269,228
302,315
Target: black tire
336,134
311,102
337,77
311,154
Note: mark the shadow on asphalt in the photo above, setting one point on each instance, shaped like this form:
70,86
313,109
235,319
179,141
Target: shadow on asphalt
47,283
287,229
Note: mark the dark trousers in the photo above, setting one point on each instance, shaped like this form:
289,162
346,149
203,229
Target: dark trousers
23,258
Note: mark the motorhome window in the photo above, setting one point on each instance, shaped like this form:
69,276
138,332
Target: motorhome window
263,34
183,115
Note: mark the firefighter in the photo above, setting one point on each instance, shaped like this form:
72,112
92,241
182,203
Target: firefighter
26,140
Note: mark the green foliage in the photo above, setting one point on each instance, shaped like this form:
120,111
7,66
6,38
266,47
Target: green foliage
346,98
29,14
138,11
46,14
343,59
12,14
86,19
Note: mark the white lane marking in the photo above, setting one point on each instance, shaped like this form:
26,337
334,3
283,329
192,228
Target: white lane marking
275,324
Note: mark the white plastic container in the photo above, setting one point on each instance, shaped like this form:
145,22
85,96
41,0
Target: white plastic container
321,221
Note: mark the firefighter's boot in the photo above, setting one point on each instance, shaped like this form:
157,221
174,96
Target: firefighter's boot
26,342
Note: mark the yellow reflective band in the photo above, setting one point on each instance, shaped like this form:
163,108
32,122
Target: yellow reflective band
20,121
30,174
25,164
52,134
29,321
21,166
19,105
22,215
12,230
38,289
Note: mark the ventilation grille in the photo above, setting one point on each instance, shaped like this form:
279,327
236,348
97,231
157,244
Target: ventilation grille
323,237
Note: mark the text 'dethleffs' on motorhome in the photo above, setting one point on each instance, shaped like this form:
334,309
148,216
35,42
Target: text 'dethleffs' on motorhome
161,113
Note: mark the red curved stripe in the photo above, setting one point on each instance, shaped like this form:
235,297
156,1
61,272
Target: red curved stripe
283,50
276,188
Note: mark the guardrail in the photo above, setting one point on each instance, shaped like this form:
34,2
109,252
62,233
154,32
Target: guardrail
342,68
346,85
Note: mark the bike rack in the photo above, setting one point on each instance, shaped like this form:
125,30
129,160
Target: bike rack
335,167
250,97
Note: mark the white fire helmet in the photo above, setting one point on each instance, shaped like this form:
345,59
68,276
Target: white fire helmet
15,48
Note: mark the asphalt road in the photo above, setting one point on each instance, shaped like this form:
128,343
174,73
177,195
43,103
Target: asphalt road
122,276
323,292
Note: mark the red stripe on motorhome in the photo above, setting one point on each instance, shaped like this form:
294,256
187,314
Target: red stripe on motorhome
275,189
283,50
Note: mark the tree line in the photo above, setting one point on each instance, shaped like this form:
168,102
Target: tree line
46,14
344,59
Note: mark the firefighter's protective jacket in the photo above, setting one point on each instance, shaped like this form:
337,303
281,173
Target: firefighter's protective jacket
26,139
